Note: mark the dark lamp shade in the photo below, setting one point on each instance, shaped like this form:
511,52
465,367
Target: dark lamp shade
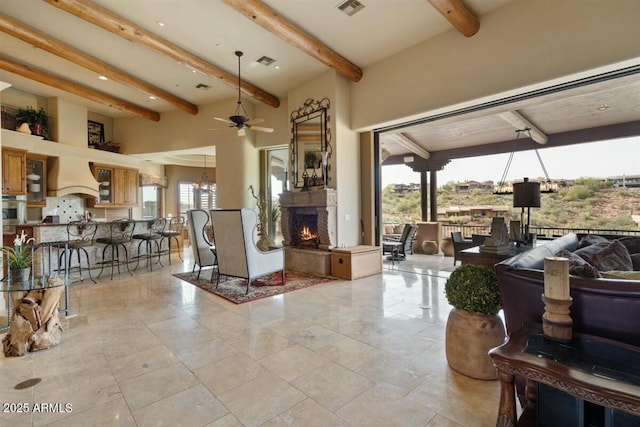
526,194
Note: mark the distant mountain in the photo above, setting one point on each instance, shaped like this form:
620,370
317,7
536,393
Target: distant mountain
589,203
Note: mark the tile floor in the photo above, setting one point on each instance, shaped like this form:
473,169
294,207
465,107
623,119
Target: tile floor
153,350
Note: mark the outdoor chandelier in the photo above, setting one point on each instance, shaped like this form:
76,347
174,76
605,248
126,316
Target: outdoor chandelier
505,187
204,186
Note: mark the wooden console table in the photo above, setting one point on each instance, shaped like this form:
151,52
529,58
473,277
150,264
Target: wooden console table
474,256
590,369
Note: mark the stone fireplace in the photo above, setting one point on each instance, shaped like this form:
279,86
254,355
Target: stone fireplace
309,228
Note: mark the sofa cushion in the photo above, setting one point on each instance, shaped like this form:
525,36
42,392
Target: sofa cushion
624,275
607,256
632,243
590,239
578,266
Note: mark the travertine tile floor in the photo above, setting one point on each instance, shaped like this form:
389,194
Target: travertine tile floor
153,350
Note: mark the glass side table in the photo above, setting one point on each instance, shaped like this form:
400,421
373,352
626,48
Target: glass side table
18,288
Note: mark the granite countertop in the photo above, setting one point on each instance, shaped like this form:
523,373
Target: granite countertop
64,224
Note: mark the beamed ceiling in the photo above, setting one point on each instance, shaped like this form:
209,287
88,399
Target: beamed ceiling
181,53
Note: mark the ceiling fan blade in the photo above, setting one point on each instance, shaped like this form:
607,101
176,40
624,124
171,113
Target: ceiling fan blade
254,121
223,120
220,128
241,132
262,129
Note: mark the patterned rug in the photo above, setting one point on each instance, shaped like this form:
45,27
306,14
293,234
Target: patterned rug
233,289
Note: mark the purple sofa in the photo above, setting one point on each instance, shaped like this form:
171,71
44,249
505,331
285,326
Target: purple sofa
601,306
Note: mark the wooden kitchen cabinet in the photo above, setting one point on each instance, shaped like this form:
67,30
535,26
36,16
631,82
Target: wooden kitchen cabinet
36,180
126,187
118,187
13,171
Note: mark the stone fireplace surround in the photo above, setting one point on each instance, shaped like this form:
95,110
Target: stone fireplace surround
323,204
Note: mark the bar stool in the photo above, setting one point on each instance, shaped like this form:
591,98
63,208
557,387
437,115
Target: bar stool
176,224
152,235
80,235
120,233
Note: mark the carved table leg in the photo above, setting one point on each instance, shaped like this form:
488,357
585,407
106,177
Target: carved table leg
507,408
531,393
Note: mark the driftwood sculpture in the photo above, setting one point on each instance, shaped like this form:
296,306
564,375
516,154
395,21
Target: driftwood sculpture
35,324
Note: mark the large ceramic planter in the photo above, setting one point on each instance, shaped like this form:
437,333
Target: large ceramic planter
446,245
469,338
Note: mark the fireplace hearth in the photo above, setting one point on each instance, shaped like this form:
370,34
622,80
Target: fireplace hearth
315,210
309,228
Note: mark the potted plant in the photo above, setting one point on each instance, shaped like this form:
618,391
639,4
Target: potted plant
37,120
19,257
473,326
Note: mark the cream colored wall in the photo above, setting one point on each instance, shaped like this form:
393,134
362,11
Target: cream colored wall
523,43
106,121
236,157
69,122
176,130
347,166
278,120
344,164
19,99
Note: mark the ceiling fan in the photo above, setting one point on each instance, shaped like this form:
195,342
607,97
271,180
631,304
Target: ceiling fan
240,119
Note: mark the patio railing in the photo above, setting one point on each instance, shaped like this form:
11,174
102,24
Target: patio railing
541,232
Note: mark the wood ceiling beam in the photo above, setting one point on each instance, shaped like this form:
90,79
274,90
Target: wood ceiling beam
51,45
458,15
409,144
115,24
269,19
520,124
76,89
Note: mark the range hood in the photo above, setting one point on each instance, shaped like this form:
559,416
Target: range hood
71,175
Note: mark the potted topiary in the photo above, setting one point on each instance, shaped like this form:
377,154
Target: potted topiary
473,326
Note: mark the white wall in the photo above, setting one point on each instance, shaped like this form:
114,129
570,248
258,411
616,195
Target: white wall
524,43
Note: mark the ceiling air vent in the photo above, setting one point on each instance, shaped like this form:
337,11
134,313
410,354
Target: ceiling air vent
203,86
351,7
265,60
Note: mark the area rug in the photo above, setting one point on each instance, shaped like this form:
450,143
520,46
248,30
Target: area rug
233,289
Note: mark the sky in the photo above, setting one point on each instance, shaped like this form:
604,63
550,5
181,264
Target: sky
596,159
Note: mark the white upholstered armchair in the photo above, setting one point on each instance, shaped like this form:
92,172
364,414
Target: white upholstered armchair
204,253
238,256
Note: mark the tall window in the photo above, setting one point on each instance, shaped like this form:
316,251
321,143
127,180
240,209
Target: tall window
190,198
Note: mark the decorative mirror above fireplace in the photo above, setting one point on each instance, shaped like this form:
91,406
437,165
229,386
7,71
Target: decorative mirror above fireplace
310,144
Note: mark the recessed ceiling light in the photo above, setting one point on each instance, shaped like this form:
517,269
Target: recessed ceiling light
103,77
277,67
603,107
152,97
160,24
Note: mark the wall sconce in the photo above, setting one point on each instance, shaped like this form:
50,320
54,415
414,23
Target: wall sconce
408,159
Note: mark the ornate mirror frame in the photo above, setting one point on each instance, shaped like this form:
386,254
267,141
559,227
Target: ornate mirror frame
311,144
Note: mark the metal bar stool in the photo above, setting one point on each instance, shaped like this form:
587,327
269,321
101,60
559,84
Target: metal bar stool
80,235
174,230
152,235
120,233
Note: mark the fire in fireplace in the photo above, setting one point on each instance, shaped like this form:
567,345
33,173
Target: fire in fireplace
305,231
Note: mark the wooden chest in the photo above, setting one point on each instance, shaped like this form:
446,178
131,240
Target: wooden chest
355,262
